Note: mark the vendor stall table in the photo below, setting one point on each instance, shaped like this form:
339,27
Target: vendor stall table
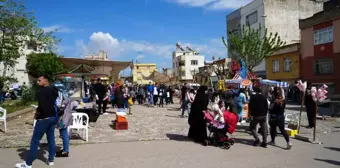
90,110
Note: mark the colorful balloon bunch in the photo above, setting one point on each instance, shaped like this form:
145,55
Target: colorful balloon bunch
302,85
319,94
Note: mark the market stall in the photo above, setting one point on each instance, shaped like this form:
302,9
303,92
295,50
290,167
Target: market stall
267,84
237,84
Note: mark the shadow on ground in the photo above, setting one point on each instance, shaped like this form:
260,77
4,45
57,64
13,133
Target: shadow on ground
334,162
244,141
43,149
173,116
177,137
333,148
174,109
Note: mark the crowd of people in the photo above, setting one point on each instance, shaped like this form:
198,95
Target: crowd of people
266,111
119,95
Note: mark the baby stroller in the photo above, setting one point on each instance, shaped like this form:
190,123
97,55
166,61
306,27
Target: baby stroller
218,133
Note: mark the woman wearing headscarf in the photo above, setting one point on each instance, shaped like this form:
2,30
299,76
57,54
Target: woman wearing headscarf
197,130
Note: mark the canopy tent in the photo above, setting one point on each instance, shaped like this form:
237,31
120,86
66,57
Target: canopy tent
274,83
240,82
84,66
158,77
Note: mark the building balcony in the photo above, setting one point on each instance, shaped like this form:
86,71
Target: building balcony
182,68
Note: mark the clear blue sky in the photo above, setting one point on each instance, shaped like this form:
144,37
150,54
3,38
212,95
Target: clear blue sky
146,30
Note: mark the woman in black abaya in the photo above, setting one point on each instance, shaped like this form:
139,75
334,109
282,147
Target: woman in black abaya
197,130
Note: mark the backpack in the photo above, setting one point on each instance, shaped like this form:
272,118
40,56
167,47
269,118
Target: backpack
62,100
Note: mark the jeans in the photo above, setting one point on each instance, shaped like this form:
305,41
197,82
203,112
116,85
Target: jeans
262,120
66,139
239,113
277,121
41,127
186,105
151,98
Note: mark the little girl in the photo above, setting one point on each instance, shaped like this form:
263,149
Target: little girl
217,108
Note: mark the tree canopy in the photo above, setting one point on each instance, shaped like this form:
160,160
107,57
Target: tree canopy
252,46
44,63
18,29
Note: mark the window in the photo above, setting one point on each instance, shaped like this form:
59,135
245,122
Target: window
251,18
183,73
287,65
323,36
194,62
323,66
276,66
32,46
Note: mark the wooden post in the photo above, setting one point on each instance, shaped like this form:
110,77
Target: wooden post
302,102
316,112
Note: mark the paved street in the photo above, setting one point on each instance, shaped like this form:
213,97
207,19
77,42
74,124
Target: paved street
182,154
147,144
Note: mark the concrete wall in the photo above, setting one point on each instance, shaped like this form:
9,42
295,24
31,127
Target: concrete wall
336,38
282,13
307,43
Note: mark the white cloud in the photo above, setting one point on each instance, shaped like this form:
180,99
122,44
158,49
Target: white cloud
118,48
228,4
58,28
213,4
140,57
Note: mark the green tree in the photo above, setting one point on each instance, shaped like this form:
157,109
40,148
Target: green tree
44,63
18,28
251,46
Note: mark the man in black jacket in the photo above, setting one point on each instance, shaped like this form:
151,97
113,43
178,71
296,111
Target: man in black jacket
47,117
258,109
100,90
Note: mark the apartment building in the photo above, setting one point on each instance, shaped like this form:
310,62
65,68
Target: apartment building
185,63
141,72
277,16
19,70
102,55
320,47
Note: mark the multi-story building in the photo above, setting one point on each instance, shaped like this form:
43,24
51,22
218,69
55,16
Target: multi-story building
320,47
19,70
185,63
277,16
101,56
142,72
168,72
284,65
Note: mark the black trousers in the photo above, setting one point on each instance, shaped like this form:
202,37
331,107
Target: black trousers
277,121
262,120
101,105
161,101
311,115
140,99
155,99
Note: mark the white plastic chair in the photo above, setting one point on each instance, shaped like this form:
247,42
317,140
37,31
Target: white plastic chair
79,123
3,117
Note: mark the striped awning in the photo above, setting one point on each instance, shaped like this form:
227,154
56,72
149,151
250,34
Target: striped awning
243,82
250,75
274,83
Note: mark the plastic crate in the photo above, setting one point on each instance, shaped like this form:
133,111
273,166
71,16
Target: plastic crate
121,125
